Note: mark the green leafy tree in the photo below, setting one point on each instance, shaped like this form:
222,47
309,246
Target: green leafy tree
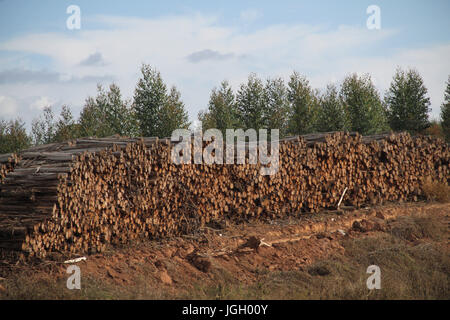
48,129
303,105
445,112
332,114
276,106
364,109
13,136
206,119
43,129
150,96
407,102
91,122
172,115
250,103
66,127
221,113
107,114
119,115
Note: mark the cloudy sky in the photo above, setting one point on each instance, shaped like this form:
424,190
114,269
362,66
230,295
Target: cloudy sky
197,44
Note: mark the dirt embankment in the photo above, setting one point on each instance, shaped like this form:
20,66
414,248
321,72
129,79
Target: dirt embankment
252,260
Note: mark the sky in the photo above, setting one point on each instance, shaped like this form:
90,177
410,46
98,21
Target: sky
197,44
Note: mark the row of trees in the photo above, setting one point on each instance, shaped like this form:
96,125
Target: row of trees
294,108
13,136
154,111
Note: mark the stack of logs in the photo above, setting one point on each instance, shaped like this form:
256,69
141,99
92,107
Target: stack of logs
79,196
7,164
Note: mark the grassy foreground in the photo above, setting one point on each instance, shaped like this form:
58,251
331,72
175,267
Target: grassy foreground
413,257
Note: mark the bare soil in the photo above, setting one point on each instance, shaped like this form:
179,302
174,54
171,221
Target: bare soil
321,255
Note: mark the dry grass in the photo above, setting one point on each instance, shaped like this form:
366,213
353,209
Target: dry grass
436,191
414,265
413,257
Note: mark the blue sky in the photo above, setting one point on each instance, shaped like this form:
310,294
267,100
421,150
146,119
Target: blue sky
197,44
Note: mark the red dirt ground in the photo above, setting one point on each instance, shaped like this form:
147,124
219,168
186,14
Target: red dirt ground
243,250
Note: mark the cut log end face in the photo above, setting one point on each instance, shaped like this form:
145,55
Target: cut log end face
80,196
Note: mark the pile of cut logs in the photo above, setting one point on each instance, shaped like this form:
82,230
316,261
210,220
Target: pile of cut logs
80,196
7,163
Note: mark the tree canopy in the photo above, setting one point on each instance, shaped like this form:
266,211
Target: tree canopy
293,107
364,109
445,112
407,102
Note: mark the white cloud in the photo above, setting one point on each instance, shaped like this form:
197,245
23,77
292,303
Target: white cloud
323,55
42,102
8,107
95,59
250,15
208,54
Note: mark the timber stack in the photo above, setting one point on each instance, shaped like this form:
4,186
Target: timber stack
79,196
7,163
